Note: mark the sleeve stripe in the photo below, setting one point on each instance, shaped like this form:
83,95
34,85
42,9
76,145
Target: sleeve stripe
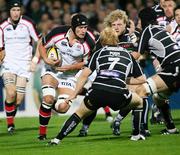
58,35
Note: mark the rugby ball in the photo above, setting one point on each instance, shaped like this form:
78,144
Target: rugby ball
54,54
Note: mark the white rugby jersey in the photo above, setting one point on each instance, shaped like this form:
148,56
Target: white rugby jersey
17,41
70,54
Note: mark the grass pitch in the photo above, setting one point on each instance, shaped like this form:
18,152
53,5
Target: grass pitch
99,141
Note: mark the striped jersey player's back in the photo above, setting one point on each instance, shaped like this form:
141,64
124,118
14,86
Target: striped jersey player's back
113,65
160,44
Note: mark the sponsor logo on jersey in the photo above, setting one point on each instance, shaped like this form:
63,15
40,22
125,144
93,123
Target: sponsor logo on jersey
63,43
78,47
66,84
8,29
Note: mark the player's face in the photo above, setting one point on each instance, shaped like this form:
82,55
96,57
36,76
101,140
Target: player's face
15,13
139,24
168,7
119,26
177,16
81,31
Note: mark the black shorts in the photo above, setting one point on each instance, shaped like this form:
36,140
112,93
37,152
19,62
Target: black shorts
171,76
99,98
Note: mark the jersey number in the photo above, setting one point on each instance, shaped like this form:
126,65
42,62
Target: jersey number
114,61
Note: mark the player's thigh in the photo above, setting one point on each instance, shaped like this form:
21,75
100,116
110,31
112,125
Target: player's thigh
136,101
83,111
160,84
48,79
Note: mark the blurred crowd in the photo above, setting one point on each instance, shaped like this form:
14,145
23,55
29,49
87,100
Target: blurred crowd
50,13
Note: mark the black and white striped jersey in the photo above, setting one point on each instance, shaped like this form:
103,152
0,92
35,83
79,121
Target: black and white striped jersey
160,44
113,65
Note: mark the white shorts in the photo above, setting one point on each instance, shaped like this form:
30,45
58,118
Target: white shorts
91,77
19,68
64,80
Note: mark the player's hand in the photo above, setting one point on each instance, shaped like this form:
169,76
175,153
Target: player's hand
70,98
52,62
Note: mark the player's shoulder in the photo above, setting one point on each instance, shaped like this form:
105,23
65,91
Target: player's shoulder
60,30
3,22
90,39
27,20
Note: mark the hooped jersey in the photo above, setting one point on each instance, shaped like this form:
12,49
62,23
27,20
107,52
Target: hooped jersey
129,41
17,40
160,44
113,65
70,54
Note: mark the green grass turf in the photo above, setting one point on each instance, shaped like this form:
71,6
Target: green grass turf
100,140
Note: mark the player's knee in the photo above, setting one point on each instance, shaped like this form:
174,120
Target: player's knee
11,94
160,98
49,94
136,101
141,91
19,100
147,88
48,90
61,105
49,99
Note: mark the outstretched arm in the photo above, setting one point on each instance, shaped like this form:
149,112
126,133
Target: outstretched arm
80,82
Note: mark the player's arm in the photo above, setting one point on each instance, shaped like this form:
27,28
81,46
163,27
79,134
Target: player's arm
36,58
80,82
2,55
76,66
136,76
2,52
43,55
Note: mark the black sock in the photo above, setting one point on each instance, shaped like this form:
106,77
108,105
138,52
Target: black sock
125,111
165,110
144,120
88,120
136,114
69,126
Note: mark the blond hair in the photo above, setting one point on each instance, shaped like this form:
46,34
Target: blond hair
109,37
115,15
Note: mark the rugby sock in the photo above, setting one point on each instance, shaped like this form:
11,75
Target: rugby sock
107,111
88,120
44,117
10,109
69,126
136,120
144,120
165,110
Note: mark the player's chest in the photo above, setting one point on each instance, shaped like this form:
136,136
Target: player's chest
20,32
74,51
